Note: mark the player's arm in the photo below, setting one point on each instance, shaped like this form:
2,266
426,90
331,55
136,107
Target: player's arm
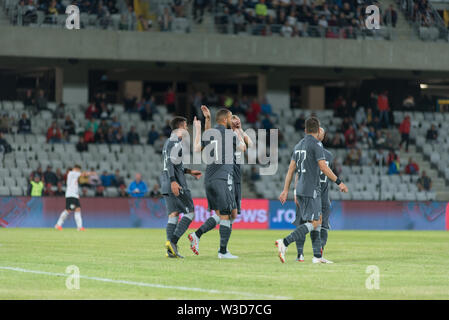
195,173
207,120
247,139
331,175
241,146
294,190
175,187
197,147
288,181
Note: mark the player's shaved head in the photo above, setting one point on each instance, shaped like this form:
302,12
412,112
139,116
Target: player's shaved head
222,115
77,167
312,125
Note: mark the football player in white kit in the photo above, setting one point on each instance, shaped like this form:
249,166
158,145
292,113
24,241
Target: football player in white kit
72,198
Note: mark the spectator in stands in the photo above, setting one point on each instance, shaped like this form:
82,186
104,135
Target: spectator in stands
253,112
384,109
266,123
198,10
100,136
5,147
118,181
137,188
379,158
389,143
353,157
360,115
52,12
37,172
409,102
412,167
338,141
50,177
146,109
255,176
89,136
238,21
30,12
118,136
99,191
60,112
105,111
390,16
92,125
41,102
92,112
169,100
60,176
104,16
104,125
81,146
424,183
5,123
59,191
432,134
166,130
300,123
29,102
159,144
106,179
404,129
132,136
128,19
54,134
130,103
155,192
84,181
350,137
393,167
153,135
286,30
69,125
94,179
37,186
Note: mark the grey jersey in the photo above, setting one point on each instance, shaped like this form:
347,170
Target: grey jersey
173,167
306,155
237,160
223,166
324,181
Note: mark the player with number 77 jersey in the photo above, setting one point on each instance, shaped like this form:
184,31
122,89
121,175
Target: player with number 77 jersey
308,160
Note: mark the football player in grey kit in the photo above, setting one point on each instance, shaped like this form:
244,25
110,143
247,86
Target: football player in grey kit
174,187
325,207
218,182
307,159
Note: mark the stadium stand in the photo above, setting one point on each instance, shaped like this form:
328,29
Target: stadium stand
264,18
358,165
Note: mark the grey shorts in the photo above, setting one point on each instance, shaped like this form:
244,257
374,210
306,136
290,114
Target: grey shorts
238,196
220,195
181,204
309,209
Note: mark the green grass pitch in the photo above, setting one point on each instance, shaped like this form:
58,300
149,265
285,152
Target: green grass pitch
412,265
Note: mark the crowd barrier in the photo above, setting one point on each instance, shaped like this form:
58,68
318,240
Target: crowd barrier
256,214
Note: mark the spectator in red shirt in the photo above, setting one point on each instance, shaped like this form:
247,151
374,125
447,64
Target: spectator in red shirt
254,110
350,138
89,136
412,167
92,112
384,108
170,99
54,133
404,129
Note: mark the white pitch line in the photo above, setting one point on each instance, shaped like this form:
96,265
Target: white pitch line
151,285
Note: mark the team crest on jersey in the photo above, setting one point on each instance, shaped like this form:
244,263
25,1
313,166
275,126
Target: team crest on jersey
320,144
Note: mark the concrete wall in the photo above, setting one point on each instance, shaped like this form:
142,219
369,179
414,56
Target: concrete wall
223,49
